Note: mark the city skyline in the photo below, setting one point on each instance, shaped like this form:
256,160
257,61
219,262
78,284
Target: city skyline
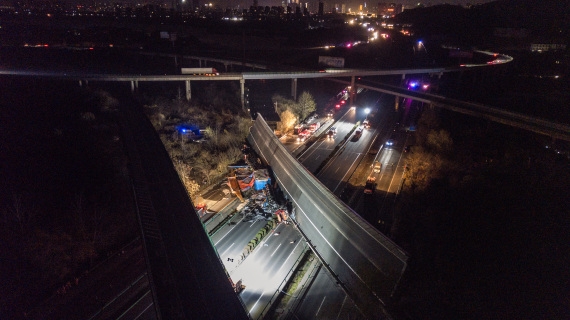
352,4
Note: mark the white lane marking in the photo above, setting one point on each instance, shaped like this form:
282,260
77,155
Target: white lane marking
223,253
276,250
347,171
341,306
282,265
216,243
320,306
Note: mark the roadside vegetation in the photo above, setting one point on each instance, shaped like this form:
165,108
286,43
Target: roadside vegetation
292,112
66,200
484,215
201,155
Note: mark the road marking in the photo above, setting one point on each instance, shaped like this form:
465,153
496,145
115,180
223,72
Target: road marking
223,253
276,250
216,243
347,172
277,272
341,306
320,306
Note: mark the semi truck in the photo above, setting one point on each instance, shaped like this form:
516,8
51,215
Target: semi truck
200,71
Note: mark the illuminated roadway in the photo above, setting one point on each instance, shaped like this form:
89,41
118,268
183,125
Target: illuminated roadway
263,271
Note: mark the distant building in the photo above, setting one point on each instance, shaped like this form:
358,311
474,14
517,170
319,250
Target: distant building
389,10
541,47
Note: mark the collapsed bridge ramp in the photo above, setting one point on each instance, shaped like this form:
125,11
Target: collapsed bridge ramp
367,264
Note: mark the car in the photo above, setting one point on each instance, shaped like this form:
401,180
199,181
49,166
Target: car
330,135
333,129
377,167
390,142
407,148
366,123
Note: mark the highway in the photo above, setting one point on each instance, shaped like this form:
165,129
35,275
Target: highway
351,248
326,300
347,171
264,271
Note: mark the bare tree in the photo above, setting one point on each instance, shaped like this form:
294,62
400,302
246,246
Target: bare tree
439,141
423,167
20,213
288,121
205,165
305,105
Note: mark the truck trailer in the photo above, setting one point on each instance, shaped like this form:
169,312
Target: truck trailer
200,71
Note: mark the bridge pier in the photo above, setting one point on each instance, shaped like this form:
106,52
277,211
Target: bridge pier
396,103
242,92
134,86
188,90
352,91
294,88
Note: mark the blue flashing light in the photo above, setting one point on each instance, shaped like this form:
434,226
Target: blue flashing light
187,128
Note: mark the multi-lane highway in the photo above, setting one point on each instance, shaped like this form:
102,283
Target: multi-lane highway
264,271
345,174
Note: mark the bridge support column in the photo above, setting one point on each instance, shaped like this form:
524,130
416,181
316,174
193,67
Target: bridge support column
294,88
242,92
132,86
136,85
397,103
188,90
352,91
226,66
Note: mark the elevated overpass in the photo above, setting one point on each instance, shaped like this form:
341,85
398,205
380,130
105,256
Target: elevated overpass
188,280
513,119
364,262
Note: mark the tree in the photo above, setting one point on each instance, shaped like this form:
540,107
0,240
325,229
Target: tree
439,141
206,164
428,121
423,167
287,122
305,105
20,214
214,133
281,104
